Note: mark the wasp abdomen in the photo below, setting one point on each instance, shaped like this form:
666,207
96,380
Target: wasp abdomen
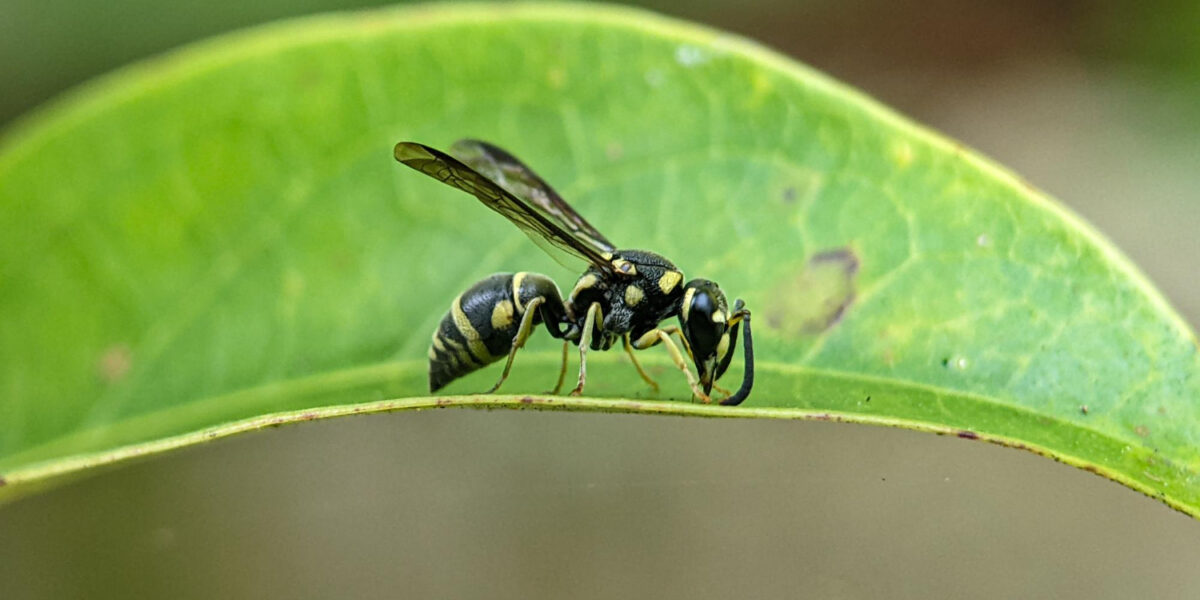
482,323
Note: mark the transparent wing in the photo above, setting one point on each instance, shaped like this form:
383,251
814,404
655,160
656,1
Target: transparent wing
546,233
497,164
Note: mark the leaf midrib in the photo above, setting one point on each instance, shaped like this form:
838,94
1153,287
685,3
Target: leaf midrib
330,382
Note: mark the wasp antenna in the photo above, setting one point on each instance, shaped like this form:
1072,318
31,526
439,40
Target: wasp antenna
748,359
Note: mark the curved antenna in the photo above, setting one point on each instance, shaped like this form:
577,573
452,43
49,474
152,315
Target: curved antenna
748,354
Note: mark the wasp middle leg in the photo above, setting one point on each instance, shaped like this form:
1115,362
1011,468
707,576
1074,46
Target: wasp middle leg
593,321
637,365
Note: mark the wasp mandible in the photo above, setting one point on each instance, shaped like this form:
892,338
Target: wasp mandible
623,295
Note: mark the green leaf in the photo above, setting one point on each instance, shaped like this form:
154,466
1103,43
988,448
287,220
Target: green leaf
220,241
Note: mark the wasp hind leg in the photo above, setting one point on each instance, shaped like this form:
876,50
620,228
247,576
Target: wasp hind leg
523,331
656,336
562,371
637,365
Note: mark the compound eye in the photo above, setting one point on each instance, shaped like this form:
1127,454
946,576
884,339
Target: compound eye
705,323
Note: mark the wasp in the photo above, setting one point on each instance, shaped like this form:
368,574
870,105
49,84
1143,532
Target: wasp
622,295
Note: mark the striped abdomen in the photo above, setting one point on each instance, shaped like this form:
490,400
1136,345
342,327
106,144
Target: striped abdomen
483,321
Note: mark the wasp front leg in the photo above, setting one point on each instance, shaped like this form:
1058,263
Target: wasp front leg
656,336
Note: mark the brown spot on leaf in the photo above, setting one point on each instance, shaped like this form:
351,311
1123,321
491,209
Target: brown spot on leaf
968,435
1142,430
3,482
614,151
1083,409
114,363
789,195
817,297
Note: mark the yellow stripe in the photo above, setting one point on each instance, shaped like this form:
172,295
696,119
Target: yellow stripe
455,355
463,324
723,346
687,302
584,283
518,279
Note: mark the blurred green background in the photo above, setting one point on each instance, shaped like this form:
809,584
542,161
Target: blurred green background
1098,103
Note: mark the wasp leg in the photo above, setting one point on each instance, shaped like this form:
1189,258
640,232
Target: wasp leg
687,346
656,336
645,376
519,340
562,371
594,318
721,389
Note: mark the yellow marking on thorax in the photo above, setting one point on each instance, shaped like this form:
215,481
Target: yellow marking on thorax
624,267
633,295
518,279
502,315
718,317
584,283
464,326
687,301
669,280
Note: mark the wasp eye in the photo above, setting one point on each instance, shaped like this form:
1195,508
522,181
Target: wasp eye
702,327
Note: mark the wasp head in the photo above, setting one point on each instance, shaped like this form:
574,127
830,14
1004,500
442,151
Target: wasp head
704,316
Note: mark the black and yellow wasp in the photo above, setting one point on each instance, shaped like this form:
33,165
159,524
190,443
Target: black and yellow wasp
623,294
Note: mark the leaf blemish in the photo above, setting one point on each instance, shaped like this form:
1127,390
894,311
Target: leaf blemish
968,435
789,195
818,297
690,56
114,363
614,151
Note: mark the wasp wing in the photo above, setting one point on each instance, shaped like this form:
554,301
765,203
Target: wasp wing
541,230
500,166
